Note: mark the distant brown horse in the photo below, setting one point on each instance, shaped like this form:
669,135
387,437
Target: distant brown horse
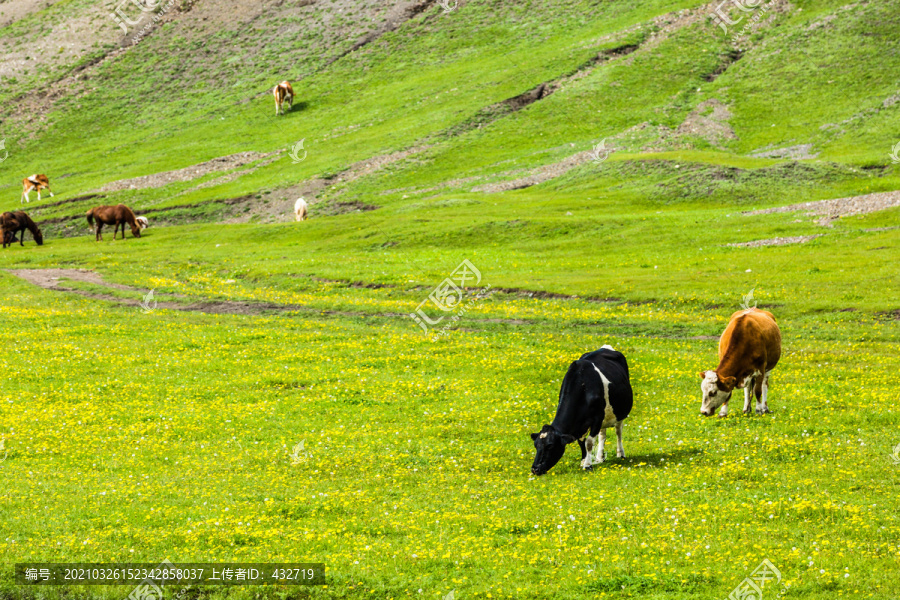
113,215
17,222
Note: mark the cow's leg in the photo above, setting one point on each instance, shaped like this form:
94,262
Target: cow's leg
587,451
39,194
760,389
765,393
590,444
601,446
748,392
21,237
48,189
99,235
724,411
620,449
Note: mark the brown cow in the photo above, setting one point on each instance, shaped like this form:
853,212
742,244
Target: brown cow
748,351
12,223
113,215
35,182
283,91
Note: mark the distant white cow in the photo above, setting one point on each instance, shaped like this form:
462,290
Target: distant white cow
301,209
142,222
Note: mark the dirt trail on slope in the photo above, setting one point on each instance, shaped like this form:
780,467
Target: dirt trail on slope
155,180
830,210
779,241
540,174
13,11
55,279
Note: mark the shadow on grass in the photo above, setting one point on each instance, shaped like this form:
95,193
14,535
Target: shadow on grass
653,459
297,107
640,461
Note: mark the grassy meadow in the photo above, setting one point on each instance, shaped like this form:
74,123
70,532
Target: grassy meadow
279,404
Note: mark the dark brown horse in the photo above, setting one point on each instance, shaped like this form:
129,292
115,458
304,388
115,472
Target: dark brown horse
113,215
12,223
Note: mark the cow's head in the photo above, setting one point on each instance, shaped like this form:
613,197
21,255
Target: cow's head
716,392
38,237
550,445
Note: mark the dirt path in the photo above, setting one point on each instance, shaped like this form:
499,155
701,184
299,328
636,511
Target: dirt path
222,163
56,279
539,175
830,210
779,241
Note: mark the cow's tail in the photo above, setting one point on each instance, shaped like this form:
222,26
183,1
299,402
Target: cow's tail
90,217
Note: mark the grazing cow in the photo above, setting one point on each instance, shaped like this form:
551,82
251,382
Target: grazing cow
142,222
283,91
35,182
748,351
113,215
12,223
595,394
301,209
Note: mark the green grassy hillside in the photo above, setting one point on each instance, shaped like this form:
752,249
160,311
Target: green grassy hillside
618,172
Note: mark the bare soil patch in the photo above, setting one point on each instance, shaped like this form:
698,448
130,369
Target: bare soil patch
50,278
279,205
830,210
341,208
779,241
800,152
70,200
728,59
709,121
13,11
538,175
222,163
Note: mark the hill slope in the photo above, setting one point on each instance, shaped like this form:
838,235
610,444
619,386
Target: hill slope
237,386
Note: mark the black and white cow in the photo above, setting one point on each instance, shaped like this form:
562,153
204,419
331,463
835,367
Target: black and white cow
595,394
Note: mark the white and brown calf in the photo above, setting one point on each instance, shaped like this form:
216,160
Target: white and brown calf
283,93
35,182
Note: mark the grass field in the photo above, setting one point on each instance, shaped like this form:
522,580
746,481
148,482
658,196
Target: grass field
275,401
